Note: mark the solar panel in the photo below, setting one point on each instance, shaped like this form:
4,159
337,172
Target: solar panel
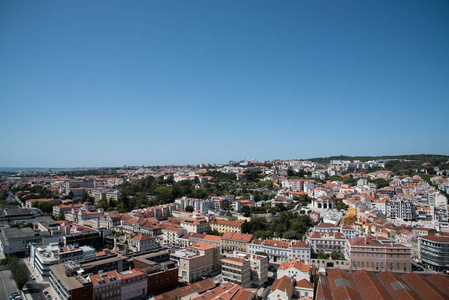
341,281
400,286
322,281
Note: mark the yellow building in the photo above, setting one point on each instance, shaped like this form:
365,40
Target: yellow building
226,226
351,217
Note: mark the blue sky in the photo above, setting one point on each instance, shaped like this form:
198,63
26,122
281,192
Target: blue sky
108,83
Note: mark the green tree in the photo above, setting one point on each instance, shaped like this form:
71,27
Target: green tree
85,197
61,216
19,271
245,210
163,193
189,208
322,256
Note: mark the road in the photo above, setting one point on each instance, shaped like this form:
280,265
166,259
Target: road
7,285
36,289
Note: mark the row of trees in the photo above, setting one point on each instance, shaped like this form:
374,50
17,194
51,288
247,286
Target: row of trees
19,271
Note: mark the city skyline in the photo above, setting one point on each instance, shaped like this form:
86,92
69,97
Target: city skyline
92,84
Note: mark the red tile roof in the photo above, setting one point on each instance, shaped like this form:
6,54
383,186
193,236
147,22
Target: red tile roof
297,265
304,283
370,286
197,287
424,287
284,284
203,245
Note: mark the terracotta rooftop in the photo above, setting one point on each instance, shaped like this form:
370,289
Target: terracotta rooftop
424,287
97,279
132,273
227,223
236,259
197,287
203,245
238,236
304,283
370,286
297,265
283,284
141,237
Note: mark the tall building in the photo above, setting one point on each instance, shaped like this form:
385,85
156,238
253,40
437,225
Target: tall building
199,260
236,270
433,252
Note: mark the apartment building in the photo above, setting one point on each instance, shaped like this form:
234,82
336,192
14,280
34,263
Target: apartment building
259,267
223,226
162,276
142,243
293,184
279,250
201,205
208,238
199,260
399,208
171,235
65,208
134,284
378,254
433,252
106,285
197,224
53,254
231,242
236,270
68,284
348,231
136,275
327,243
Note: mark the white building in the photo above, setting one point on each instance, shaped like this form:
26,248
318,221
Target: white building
282,289
295,269
134,284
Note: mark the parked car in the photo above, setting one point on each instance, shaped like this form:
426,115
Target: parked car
13,296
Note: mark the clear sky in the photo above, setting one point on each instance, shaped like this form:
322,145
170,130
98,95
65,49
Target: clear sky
108,83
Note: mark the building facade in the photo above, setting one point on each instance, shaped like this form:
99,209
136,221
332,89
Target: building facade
378,254
433,252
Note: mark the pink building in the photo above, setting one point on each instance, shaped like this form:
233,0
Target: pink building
378,254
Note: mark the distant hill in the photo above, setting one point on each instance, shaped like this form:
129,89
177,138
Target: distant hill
433,159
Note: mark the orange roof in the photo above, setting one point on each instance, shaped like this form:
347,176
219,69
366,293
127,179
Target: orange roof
297,265
227,223
141,237
132,273
236,259
238,236
213,238
304,283
283,284
203,245
106,279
